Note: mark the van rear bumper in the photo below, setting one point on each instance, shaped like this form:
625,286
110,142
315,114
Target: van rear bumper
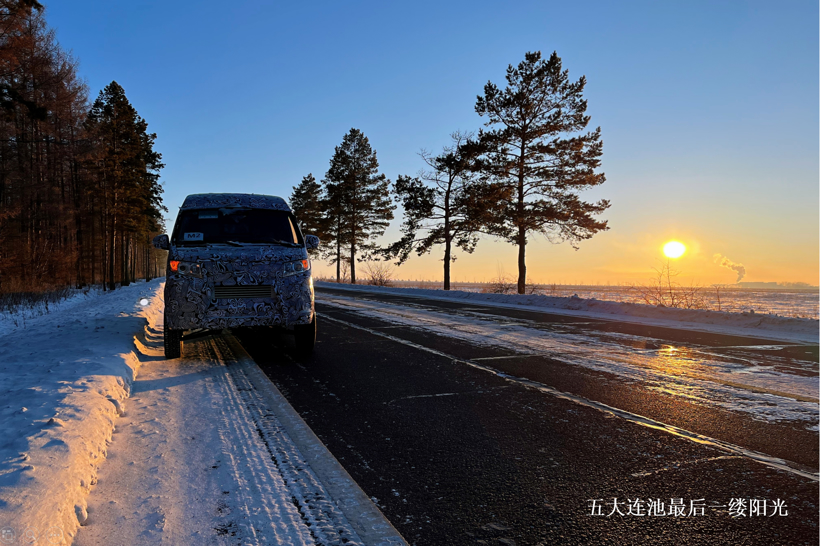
218,323
189,304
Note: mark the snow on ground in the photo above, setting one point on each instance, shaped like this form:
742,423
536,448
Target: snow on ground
24,315
772,327
184,467
200,459
63,380
104,441
700,375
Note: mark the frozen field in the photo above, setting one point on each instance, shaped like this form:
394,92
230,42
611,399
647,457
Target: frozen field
789,303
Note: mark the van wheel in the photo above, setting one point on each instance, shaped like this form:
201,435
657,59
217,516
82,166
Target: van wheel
305,335
173,343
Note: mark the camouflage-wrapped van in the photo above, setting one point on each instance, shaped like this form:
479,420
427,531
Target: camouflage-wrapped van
236,260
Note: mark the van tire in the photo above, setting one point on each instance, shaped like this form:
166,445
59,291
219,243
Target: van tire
305,337
173,343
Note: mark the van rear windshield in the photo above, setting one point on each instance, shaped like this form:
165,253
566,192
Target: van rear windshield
235,225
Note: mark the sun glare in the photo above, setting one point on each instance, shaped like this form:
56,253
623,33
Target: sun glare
673,249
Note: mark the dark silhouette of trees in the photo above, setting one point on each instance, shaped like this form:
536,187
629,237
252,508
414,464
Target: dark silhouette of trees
338,232
357,200
447,205
308,205
58,223
124,169
537,149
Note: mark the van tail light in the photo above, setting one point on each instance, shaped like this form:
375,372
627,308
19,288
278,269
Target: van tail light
191,269
292,268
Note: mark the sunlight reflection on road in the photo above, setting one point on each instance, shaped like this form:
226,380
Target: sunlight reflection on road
765,385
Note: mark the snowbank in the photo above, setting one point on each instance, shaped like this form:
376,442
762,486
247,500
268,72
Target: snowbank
23,315
771,327
63,379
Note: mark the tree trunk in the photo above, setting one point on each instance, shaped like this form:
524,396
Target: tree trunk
352,263
79,249
124,281
338,253
522,263
522,231
448,239
92,246
447,264
134,258
134,255
148,272
111,283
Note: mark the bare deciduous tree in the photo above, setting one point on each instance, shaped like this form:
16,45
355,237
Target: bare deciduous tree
378,273
665,291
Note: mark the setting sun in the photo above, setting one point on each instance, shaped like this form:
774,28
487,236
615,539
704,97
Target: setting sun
674,249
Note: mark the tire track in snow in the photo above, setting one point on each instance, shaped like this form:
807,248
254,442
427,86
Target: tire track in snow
278,463
256,476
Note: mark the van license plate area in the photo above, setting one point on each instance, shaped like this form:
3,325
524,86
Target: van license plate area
243,291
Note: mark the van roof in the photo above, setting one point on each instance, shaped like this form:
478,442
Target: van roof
226,200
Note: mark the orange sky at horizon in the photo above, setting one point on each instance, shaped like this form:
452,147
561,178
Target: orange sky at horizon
608,259
776,240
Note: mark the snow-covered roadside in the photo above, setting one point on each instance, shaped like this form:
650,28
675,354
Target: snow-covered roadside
202,457
22,316
771,327
209,451
182,468
63,380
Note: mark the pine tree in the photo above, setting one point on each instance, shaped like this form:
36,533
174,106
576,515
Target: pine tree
308,205
358,199
54,179
447,205
338,227
41,107
538,150
126,170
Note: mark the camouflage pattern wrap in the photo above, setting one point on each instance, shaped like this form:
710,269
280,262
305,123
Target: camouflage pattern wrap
245,200
189,301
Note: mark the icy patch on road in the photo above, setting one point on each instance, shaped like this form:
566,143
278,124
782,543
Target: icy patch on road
696,375
744,324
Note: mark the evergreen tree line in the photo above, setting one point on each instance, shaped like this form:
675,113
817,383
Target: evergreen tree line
519,176
80,197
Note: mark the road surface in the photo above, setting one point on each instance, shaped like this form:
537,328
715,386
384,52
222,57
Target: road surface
480,425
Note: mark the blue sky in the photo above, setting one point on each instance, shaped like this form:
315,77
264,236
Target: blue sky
709,110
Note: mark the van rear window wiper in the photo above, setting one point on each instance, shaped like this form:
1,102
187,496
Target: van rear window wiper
274,242
286,243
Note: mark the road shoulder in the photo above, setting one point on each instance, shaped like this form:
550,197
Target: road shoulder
364,516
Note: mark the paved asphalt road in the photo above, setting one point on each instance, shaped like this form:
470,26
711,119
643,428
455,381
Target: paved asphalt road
456,452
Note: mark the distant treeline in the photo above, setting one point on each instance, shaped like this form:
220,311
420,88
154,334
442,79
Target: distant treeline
79,182
520,176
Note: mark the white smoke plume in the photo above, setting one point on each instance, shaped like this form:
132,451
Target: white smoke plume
723,261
